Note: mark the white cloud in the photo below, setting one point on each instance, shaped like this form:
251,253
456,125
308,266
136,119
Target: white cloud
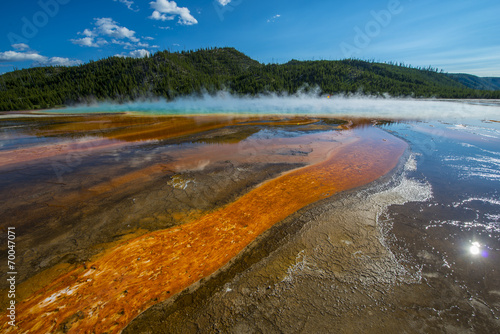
87,33
141,53
59,61
85,41
20,46
272,19
131,46
143,45
224,2
161,17
89,41
163,7
128,4
146,45
20,56
148,38
106,26
38,59
126,45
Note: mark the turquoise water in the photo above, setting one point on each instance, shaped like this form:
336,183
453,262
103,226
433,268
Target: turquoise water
454,235
301,105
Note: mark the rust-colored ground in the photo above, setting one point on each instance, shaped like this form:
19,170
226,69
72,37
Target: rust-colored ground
108,293
104,132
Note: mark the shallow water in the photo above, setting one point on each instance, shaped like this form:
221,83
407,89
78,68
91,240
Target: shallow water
416,251
455,236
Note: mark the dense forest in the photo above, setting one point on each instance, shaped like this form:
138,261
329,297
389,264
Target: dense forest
169,75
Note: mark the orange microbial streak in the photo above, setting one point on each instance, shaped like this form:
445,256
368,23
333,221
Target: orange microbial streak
105,133
110,292
89,133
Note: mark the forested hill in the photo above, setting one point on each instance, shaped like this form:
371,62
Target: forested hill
170,75
472,81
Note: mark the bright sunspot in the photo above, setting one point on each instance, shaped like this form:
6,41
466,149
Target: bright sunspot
475,248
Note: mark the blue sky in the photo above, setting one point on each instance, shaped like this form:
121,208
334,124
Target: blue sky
456,36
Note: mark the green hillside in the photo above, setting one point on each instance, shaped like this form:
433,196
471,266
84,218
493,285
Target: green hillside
170,75
472,81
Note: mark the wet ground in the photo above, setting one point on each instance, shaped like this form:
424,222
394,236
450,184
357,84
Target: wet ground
72,189
414,251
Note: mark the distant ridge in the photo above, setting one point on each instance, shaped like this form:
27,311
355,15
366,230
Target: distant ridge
170,75
475,82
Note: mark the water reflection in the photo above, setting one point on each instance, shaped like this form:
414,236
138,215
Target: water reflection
456,236
476,249
86,181
333,158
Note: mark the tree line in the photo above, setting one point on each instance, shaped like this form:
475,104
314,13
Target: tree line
172,74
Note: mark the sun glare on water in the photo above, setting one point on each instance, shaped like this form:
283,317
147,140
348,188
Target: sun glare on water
475,248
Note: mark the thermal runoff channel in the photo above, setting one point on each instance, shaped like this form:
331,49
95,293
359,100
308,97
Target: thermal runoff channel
118,211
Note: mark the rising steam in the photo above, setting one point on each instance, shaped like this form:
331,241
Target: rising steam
306,104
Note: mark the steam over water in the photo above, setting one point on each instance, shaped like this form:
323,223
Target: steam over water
434,267
416,251
460,140
304,104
